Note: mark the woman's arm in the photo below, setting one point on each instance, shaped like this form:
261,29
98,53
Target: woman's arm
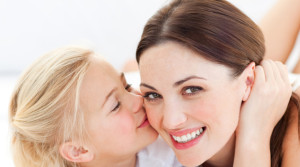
280,27
267,103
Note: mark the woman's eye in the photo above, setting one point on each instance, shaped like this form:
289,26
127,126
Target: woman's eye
117,106
191,90
151,96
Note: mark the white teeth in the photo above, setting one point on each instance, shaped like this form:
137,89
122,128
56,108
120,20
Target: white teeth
179,139
193,134
188,137
198,132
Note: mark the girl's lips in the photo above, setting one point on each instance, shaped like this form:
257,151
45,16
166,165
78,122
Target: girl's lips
144,123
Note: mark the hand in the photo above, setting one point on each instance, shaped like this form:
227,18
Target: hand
268,101
263,109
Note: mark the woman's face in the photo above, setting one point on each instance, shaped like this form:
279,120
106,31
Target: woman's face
115,117
193,103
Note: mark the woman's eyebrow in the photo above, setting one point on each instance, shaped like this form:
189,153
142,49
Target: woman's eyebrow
186,79
176,83
147,86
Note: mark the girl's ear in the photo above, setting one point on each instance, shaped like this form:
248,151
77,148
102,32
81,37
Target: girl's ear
249,76
75,153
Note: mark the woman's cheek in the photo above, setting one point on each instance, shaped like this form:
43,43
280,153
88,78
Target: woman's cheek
153,115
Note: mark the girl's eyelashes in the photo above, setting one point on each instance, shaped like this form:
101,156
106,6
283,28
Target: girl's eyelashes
128,87
117,106
151,96
191,90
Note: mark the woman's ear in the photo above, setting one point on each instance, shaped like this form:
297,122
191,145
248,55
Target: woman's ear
75,153
249,76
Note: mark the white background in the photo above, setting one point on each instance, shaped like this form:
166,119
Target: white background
31,28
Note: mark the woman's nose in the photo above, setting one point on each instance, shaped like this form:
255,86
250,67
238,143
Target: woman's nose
173,116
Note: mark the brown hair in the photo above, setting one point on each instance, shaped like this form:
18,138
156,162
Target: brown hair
219,32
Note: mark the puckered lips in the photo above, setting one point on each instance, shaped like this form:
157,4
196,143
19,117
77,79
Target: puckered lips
187,138
144,122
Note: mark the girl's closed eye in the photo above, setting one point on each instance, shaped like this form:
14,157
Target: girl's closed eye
191,90
116,106
151,96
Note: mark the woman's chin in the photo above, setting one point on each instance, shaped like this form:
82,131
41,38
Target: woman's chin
190,161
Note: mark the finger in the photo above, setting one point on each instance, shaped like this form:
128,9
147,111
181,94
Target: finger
260,77
283,72
268,69
276,71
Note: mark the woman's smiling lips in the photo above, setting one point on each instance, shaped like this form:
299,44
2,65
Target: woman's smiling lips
186,138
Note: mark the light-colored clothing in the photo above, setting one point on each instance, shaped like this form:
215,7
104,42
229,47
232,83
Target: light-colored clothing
158,154
295,80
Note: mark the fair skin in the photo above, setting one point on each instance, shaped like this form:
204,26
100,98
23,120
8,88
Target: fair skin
204,97
280,27
105,117
116,120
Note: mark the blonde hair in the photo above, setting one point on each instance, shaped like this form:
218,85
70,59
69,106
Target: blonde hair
44,109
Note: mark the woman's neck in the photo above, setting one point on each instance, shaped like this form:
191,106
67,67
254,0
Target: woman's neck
128,161
225,157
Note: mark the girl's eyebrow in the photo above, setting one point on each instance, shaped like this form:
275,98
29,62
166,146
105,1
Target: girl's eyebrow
108,95
122,77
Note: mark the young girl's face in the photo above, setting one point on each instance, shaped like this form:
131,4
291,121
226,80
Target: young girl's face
115,117
193,103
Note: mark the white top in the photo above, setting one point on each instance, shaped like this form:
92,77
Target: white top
295,80
157,154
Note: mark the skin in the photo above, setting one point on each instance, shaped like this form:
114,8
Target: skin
116,120
176,110
213,99
280,27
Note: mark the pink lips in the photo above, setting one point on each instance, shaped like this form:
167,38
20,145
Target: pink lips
144,123
182,146
183,132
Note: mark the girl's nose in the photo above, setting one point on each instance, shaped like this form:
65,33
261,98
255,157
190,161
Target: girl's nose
135,102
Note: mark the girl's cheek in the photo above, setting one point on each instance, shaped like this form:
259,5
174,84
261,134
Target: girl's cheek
125,123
